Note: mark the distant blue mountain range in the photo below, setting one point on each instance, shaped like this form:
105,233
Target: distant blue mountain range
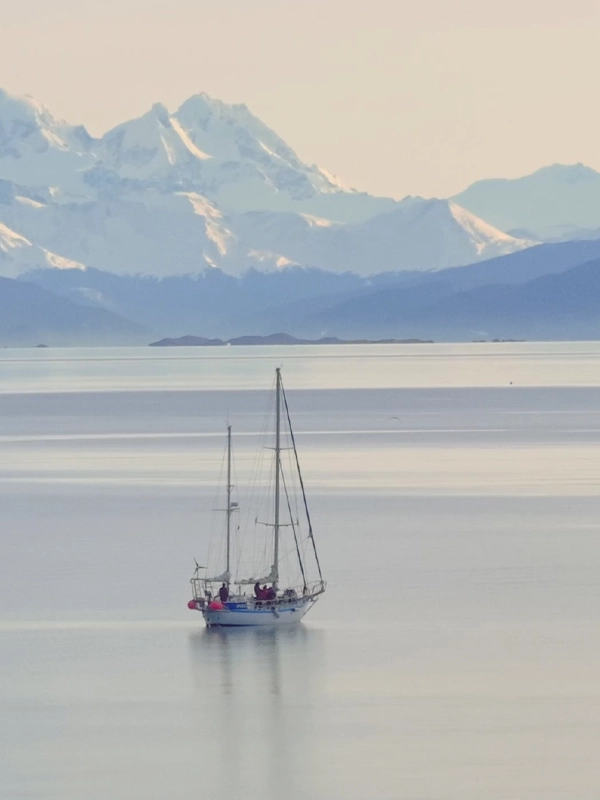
548,292
31,315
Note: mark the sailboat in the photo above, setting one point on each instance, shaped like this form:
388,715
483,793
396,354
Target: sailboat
283,595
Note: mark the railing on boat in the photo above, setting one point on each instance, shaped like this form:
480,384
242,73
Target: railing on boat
202,590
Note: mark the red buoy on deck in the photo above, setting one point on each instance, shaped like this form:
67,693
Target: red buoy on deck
216,605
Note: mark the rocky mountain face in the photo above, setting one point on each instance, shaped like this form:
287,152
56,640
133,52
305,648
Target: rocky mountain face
209,186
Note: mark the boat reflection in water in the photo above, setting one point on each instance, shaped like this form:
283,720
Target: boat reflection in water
256,695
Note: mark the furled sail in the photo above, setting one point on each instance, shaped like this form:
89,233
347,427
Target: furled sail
270,578
224,578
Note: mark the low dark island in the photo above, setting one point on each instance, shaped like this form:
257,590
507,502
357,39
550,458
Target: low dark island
274,338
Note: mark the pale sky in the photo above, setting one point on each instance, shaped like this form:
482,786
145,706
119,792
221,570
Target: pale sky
394,97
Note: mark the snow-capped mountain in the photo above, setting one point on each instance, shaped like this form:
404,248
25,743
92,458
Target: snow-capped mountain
415,235
221,151
208,186
556,202
37,149
152,233
227,154
182,232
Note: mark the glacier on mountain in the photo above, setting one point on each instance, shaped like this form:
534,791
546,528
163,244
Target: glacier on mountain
209,185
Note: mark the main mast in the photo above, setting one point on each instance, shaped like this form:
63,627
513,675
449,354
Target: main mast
229,508
277,474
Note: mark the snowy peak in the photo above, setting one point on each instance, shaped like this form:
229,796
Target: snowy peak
488,241
565,173
558,201
420,217
430,235
220,151
208,145
148,148
27,126
225,131
416,235
231,133
252,168
37,148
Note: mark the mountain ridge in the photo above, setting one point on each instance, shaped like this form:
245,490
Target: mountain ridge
272,339
555,202
30,315
305,302
210,185
561,305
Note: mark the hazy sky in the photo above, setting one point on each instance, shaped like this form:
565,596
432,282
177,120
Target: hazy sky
395,97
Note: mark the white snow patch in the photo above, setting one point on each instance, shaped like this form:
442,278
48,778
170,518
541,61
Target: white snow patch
266,257
284,262
318,222
195,151
335,181
201,205
171,157
9,239
270,152
483,234
59,262
215,232
27,201
53,139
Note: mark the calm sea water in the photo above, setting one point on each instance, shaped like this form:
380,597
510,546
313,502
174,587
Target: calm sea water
455,492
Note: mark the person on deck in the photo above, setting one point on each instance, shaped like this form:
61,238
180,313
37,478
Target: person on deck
271,593
224,593
257,591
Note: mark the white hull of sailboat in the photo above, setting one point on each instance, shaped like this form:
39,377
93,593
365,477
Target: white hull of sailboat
253,617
